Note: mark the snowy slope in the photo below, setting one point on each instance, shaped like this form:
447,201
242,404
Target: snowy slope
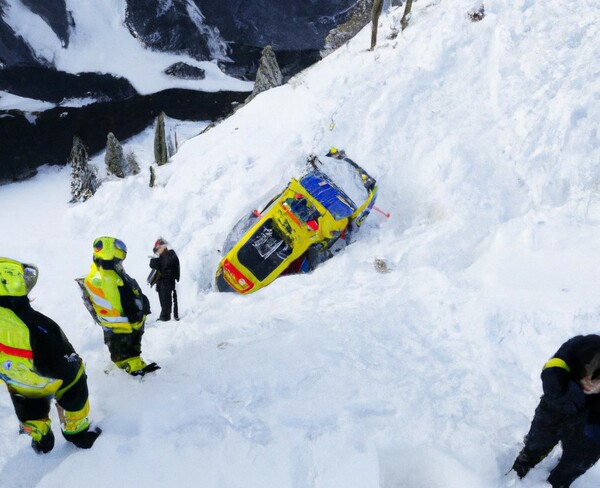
483,137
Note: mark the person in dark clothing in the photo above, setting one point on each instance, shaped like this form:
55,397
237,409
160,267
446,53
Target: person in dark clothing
568,412
38,363
167,266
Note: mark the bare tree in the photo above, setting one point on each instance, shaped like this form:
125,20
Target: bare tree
375,13
406,17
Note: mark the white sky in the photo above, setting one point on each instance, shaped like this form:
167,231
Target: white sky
484,140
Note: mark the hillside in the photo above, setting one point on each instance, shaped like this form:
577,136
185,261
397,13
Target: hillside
484,140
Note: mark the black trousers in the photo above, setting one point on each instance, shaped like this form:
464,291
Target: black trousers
166,290
39,408
124,346
550,427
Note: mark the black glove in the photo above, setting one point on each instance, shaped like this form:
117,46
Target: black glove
84,439
522,464
45,444
149,368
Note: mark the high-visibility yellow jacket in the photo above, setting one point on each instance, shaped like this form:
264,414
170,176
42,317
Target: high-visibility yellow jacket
116,298
36,359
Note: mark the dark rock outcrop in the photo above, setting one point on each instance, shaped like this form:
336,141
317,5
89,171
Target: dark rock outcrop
199,28
55,14
284,24
358,17
13,49
176,26
185,71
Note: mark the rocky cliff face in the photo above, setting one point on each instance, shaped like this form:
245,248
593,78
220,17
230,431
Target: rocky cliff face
286,25
55,14
198,28
14,49
232,33
174,26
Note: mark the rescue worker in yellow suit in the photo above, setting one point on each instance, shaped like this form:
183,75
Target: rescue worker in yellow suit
117,303
38,363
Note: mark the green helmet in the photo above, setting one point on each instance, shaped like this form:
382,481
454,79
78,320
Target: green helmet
109,248
16,279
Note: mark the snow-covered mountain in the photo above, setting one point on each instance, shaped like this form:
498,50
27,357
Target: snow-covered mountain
78,36
59,58
483,137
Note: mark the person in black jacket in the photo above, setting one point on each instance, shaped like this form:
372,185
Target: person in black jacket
38,363
167,266
568,412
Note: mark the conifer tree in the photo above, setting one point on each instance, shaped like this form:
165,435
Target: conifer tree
132,166
84,181
268,75
161,155
114,159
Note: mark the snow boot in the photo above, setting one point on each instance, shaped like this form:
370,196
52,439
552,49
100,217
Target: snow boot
149,368
45,444
84,439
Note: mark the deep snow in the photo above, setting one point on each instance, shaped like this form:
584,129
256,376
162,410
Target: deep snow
484,140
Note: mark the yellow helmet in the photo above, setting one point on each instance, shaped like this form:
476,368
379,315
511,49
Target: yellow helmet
109,248
16,279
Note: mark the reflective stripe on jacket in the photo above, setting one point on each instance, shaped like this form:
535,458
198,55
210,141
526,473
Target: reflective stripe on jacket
102,287
16,359
557,363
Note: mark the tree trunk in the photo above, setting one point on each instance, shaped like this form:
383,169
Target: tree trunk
406,16
375,13
152,177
